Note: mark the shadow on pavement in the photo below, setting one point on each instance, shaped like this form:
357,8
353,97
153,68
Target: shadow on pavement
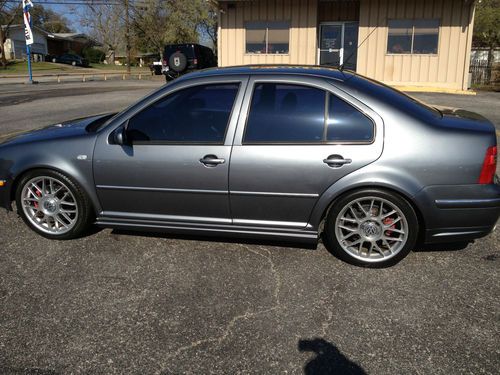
328,360
218,238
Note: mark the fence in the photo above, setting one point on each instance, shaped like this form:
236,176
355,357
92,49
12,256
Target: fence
481,72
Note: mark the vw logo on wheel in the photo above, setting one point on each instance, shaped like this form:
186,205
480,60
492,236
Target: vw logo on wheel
370,229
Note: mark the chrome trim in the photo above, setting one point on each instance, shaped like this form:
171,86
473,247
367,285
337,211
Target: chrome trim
271,194
173,218
467,203
170,190
269,223
446,234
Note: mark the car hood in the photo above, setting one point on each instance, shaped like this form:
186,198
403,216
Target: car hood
67,129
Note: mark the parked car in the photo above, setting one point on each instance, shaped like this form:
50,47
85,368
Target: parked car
71,59
265,152
180,59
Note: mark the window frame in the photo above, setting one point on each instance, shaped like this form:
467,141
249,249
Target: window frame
324,141
267,53
411,53
239,85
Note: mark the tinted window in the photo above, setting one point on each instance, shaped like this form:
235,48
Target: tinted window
400,36
267,37
286,113
426,35
346,123
198,114
413,36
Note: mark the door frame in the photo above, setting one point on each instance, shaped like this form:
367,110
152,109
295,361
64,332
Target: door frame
341,49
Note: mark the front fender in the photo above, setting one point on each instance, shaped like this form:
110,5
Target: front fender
74,160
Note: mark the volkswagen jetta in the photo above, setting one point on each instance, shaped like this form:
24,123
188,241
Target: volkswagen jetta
267,152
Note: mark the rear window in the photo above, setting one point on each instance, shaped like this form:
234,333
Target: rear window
393,97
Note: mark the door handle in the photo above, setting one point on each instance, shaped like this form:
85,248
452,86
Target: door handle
211,160
336,161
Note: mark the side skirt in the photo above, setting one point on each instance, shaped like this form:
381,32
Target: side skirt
219,230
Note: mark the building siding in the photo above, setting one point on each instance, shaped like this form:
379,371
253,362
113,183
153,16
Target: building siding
447,69
303,18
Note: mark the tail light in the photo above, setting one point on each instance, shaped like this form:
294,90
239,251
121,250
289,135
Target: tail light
489,166
165,62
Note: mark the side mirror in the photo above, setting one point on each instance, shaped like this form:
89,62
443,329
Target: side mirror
120,136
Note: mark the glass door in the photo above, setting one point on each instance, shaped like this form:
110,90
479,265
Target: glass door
338,43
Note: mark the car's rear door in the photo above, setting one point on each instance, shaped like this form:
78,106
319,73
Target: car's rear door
295,138
175,167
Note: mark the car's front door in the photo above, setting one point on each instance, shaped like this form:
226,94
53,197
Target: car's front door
299,136
174,165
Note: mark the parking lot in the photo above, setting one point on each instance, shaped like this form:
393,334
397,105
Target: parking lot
123,302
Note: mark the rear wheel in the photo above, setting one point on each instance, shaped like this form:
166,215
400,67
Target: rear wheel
372,228
53,205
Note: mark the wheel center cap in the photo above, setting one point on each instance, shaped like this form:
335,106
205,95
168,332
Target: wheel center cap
49,206
370,229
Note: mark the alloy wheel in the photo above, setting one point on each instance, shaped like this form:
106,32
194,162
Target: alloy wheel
371,229
49,205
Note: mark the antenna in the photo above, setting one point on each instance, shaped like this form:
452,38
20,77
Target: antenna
341,67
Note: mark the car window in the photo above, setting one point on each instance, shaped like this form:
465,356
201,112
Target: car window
346,123
284,113
197,114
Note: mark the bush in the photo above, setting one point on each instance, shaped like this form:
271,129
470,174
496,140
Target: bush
93,55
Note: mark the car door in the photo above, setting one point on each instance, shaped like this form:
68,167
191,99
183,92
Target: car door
174,165
299,136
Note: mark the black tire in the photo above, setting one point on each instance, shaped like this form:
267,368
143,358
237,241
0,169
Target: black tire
333,243
177,62
84,208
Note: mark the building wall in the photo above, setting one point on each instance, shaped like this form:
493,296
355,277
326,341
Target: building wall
448,69
16,48
303,17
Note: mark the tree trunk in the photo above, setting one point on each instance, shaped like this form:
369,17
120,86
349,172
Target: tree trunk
3,58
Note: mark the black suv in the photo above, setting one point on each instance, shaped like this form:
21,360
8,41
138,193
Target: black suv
179,59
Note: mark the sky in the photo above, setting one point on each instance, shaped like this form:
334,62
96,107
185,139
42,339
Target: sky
69,11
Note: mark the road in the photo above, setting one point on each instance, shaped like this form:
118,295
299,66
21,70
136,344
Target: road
122,302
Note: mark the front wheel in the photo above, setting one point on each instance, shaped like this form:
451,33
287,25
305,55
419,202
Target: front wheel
53,205
371,228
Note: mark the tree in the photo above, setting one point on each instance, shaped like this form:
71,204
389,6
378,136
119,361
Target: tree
159,22
209,22
47,20
487,26
8,15
106,24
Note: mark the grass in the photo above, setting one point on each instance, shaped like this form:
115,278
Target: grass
21,67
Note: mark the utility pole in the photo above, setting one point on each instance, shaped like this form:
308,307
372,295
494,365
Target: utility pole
127,34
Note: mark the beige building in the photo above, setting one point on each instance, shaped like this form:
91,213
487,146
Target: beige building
401,42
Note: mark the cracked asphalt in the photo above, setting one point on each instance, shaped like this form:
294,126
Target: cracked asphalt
121,302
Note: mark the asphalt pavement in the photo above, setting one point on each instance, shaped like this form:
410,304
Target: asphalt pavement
123,302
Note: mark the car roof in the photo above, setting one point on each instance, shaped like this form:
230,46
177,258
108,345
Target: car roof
304,70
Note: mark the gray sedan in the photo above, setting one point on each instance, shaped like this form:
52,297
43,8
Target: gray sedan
265,152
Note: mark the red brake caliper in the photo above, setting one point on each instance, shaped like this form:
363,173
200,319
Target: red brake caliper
389,221
38,194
